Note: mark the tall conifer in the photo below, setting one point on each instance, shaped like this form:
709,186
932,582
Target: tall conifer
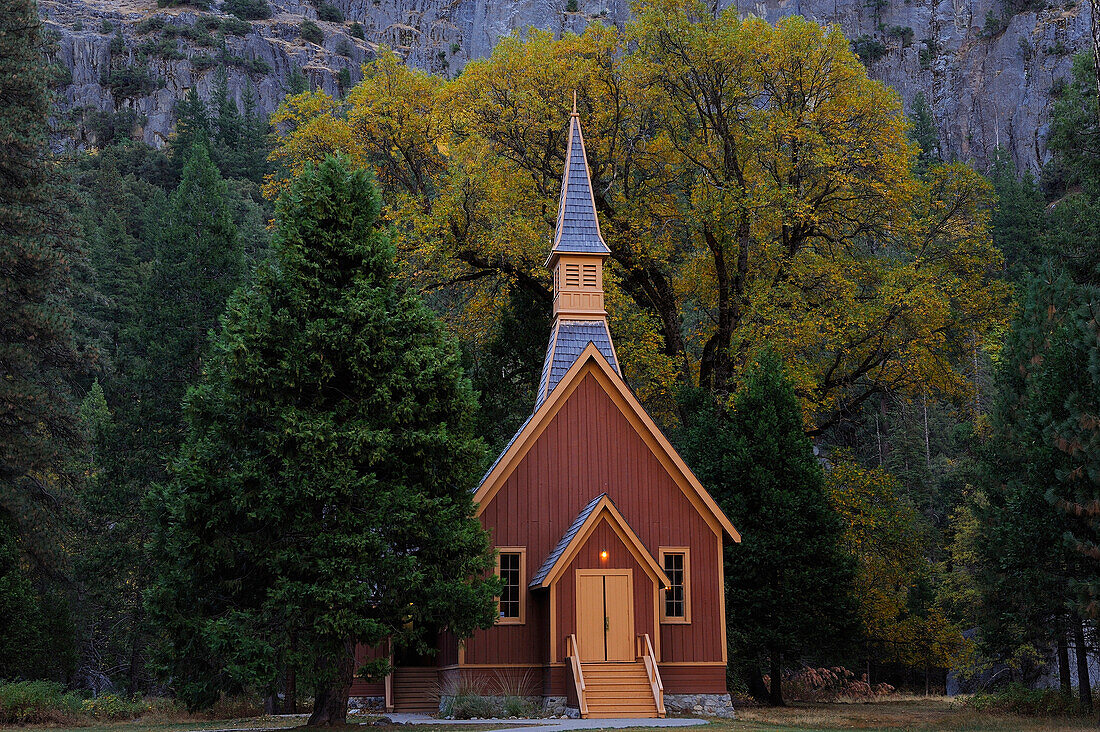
37,358
788,583
322,497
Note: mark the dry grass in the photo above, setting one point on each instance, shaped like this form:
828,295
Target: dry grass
892,713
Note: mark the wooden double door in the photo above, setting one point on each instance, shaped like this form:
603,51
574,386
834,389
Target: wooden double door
605,615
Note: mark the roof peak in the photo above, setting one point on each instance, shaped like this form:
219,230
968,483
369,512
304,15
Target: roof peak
578,229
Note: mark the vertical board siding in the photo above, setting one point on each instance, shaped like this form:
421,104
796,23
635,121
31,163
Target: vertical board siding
361,687
589,447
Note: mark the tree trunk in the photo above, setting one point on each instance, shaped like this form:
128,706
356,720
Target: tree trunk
758,690
1064,682
290,702
1096,49
1084,685
775,690
330,706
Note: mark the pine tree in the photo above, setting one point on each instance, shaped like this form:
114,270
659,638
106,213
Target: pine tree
788,584
1018,217
323,492
198,263
1027,568
38,425
922,131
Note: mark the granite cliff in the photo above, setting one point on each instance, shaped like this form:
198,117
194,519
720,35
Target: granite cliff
989,72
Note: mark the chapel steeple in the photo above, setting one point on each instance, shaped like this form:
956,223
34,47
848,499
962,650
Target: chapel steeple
576,259
578,251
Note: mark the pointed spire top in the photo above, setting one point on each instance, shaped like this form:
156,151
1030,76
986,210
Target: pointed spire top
575,103
577,229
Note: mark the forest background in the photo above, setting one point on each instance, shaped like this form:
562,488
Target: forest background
778,225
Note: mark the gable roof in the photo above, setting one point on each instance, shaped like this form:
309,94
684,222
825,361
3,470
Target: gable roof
577,229
592,361
568,339
578,532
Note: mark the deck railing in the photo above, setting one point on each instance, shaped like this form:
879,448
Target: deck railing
574,655
645,652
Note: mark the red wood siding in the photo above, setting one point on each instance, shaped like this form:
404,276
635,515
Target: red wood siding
589,447
693,679
359,687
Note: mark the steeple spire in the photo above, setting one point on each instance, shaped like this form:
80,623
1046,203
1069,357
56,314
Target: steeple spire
576,258
577,229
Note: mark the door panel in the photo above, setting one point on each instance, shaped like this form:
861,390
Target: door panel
619,606
590,614
605,616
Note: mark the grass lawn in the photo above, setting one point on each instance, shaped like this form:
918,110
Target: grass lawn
915,713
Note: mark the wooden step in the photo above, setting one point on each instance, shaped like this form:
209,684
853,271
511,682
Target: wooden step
618,690
415,689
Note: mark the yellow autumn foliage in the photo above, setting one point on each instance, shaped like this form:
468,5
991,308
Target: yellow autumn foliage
753,184
882,533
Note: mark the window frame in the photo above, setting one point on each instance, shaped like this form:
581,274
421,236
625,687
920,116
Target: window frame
686,552
521,619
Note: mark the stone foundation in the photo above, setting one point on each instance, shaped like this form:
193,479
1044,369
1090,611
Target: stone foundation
363,704
711,705
553,705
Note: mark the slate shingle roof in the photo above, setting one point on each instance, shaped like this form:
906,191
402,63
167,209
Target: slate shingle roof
567,341
570,534
577,229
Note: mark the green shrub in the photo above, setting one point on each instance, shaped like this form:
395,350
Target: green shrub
570,6
311,32
356,31
343,48
37,702
163,47
112,706
236,27
1018,699
248,9
106,27
466,705
868,49
151,24
118,44
329,13
129,81
905,33
203,62
78,26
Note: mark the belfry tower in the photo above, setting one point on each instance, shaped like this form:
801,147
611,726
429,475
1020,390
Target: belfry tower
576,260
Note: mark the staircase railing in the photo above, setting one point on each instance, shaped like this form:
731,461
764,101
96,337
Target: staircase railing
645,650
574,655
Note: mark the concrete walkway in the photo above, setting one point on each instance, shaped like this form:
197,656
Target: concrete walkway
548,725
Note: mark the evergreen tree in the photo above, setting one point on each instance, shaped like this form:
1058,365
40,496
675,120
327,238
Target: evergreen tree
788,584
38,425
506,369
922,131
1017,219
322,497
1026,568
198,263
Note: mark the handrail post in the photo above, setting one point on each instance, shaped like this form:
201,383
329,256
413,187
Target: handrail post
574,654
653,672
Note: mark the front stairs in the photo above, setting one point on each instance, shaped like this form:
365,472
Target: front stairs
615,690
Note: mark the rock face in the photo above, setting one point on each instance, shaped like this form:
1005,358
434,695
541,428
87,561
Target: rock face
987,75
